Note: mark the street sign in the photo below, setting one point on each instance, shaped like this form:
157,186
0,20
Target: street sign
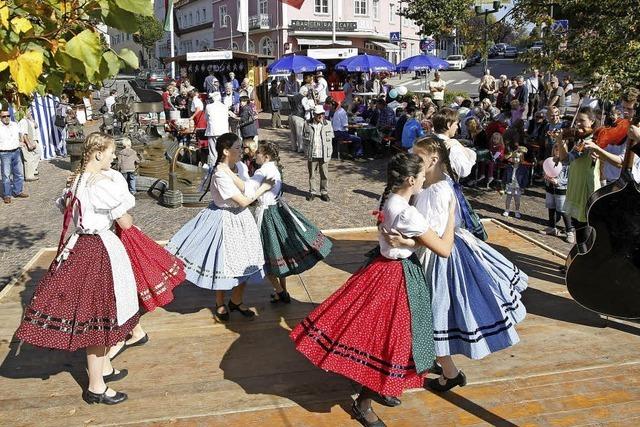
394,36
403,45
427,44
561,25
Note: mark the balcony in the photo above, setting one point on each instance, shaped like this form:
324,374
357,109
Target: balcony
261,21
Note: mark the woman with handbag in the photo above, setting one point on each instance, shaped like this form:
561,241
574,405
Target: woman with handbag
247,125
63,110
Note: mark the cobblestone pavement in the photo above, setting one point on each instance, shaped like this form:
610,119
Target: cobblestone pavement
26,225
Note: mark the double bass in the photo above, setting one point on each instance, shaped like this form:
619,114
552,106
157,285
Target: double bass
604,274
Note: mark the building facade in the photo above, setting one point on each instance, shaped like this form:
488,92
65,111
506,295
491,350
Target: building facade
277,28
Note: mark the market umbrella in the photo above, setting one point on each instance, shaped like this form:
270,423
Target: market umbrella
422,62
365,63
295,64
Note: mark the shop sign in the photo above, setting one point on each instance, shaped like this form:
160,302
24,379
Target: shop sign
300,25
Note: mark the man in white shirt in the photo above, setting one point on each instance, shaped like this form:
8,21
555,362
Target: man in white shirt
318,136
437,87
340,125
321,87
30,147
533,89
110,101
196,103
10,157
217,115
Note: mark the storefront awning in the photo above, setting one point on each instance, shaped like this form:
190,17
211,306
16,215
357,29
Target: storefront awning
386,46
322,42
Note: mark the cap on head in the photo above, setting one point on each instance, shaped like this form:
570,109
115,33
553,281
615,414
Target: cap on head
318,109
215,96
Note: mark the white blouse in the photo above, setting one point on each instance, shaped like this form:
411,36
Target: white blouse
462,158
103,199
223,189
404,218
433,203
268,170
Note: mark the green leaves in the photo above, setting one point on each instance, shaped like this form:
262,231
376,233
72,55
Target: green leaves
130,59
86,48
139,7
438,17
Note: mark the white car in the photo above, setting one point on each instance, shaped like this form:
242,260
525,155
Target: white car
456,62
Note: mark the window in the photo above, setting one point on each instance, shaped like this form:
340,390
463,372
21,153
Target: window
263,7
266,46
321,7
360,7
392,13
252,46
197,16
204,14
222,12
190,18
234,46
375,8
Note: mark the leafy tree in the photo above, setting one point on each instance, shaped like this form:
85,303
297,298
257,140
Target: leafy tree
46,44
150,31
601,47
438,17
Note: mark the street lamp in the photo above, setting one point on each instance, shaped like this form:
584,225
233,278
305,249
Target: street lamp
224,21
479,11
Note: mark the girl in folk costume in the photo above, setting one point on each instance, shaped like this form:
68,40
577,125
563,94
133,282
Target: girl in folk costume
475,291
377,328
88,298
462,159
221,247
291,244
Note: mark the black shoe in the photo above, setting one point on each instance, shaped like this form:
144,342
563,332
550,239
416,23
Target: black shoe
236,307
389,401
435,369
281,297
310,197
223,317
115,377
91,397
125,346
325,198
460,380
361,416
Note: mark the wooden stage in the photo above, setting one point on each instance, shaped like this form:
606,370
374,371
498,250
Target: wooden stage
571,368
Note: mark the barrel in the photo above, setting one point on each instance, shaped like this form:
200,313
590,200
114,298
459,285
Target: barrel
75,148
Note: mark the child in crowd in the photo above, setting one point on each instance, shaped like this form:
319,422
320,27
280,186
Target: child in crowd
496,150
377,329
128,162
516,177
556,192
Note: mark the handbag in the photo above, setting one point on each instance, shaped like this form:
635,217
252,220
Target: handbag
60,121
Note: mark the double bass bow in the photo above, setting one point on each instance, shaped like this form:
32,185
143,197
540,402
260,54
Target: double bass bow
604,275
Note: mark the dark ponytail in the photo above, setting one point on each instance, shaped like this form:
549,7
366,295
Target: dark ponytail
400,167
224,141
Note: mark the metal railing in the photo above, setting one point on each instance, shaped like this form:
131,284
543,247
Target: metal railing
261,21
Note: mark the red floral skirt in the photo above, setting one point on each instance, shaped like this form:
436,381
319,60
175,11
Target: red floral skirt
157,272
74,305
363,330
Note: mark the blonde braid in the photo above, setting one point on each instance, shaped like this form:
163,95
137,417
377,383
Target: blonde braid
94,143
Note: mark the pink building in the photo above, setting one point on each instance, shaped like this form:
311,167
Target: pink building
277,28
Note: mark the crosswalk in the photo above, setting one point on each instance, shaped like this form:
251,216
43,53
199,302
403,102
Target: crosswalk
466,82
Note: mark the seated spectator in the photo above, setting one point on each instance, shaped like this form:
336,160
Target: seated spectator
517,111
411,130
490,111
340,125
477,134
371,113
401,119
457,103
514,135
386,117
358,107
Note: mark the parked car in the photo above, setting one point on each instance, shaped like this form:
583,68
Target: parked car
154,79
500,48
474,59
456,62
511,52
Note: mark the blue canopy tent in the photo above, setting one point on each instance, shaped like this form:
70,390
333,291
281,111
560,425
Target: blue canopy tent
365,64
422,63
295,64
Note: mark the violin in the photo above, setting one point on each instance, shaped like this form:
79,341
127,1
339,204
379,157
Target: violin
603,274
612,135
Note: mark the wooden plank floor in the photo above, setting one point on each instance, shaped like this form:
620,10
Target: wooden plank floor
571,368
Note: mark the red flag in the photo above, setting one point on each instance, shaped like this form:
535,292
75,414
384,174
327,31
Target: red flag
295,3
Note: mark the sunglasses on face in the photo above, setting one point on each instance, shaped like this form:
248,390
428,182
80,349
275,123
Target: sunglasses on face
4,117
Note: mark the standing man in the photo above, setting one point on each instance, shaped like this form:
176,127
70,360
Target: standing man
321,87
234,82
30,147
110,100
230,98
292,86
217,116
533,89
318,136
556,97
210,84
297,104
10,157
437,88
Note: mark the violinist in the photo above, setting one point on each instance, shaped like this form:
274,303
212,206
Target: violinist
610,143
584,170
